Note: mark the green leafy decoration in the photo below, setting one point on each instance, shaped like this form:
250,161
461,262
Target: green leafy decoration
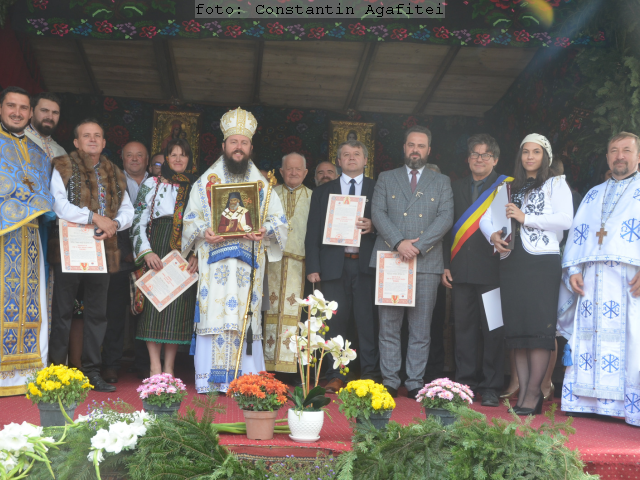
481,8
133,9
165,6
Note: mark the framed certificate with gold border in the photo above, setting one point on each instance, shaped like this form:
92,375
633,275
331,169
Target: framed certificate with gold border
79,251
235,209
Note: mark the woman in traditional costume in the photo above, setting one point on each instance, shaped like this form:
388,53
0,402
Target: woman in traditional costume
530,274
156,231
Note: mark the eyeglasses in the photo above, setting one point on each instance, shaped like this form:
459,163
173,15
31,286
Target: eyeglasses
157,164
484,156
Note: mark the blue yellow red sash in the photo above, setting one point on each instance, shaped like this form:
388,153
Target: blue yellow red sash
469,222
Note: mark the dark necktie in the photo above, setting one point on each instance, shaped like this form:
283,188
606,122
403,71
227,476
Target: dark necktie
414,180
475,190
352,188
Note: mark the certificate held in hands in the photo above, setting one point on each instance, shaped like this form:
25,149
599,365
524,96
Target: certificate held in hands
395,280
79,251
164,286
340,225
499,215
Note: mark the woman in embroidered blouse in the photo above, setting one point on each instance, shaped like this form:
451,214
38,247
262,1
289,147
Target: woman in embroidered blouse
530,274
156,231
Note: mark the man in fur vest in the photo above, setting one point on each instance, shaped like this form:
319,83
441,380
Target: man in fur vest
87,189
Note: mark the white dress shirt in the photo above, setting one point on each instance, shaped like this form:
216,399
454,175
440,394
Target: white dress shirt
345,185
418,175
69,212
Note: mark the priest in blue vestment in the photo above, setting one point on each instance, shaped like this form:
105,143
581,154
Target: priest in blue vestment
25,201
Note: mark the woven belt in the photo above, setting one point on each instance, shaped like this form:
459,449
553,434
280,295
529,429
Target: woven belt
351,255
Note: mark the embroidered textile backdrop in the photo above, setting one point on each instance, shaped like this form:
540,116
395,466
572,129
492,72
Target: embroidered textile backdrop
515,23
280,131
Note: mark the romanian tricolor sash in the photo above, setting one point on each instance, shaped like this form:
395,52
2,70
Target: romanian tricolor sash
469,222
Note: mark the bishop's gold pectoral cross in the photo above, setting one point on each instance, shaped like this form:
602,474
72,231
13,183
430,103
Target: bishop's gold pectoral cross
27,181
601,234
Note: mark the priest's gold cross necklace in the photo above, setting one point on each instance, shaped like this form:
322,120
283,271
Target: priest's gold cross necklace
22,152
602,232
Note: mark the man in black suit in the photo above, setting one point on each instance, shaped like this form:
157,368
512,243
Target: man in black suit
473,271
344,271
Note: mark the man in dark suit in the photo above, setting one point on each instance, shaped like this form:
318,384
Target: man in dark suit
473,271
344,271
412,210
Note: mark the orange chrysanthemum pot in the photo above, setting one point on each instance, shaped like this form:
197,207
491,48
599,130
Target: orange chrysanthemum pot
260,425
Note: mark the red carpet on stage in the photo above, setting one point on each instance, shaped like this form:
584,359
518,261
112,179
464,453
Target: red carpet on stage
608,446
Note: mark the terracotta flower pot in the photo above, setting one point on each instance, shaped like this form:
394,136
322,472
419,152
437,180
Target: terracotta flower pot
260,425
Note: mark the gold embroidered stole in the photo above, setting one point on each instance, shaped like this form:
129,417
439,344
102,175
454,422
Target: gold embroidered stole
286,282
20,296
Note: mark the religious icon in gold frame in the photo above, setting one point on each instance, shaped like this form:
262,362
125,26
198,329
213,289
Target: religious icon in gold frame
235,209
172,124
343,131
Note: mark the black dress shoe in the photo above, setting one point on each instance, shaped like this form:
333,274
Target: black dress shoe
490,399
523,412
413,393
99,385
392,391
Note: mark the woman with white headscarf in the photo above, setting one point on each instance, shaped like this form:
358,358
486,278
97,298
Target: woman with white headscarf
530,274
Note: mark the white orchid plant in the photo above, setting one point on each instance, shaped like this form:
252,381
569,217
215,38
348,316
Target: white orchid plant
310,347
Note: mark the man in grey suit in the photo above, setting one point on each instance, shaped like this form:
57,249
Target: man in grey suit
412,211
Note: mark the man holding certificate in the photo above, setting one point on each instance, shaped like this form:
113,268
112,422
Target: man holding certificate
412,211
344,270
88,190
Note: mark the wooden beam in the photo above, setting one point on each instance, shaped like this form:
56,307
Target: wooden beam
166,69
437,78
366,61
257,72
95,89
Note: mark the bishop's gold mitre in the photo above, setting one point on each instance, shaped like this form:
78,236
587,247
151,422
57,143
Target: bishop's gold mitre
238,122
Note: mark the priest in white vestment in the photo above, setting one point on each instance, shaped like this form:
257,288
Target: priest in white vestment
286,277
225,264
599,308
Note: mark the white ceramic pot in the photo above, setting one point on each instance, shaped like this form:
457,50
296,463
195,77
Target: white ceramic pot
305,426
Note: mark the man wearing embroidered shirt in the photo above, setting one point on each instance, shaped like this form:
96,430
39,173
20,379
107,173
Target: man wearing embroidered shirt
344,271
46,115
600,298
87,189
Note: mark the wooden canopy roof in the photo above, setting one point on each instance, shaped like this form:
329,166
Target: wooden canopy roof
403,78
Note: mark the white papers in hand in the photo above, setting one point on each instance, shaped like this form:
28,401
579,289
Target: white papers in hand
499,212
493,308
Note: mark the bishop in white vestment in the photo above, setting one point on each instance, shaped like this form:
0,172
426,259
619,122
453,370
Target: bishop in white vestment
599,308
225,264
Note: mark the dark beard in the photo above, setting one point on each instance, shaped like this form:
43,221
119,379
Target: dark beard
236,168
415,164
44,130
